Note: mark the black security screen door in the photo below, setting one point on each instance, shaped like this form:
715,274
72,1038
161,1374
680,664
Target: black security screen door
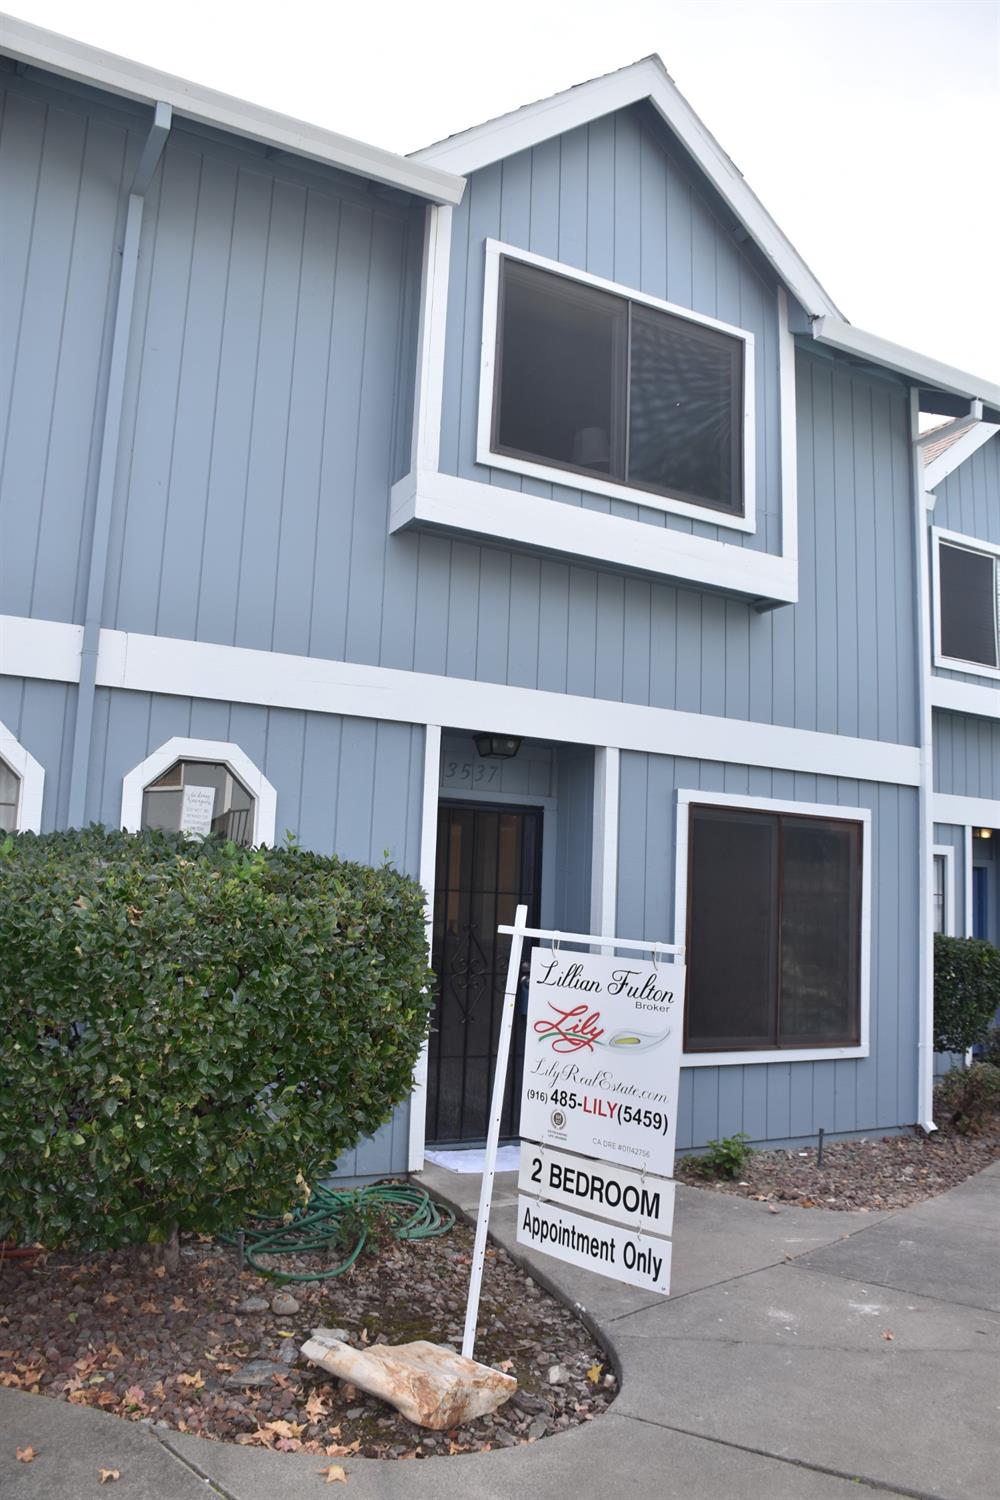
488,860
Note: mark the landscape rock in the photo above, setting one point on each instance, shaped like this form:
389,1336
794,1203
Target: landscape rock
284,1305
431,1386
254,1305
259,1372
558,1375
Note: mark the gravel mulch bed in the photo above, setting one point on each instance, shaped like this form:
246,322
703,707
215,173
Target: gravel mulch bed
891,1172
203,1352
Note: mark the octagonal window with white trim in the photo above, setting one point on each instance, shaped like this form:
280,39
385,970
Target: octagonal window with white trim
200,797
10,797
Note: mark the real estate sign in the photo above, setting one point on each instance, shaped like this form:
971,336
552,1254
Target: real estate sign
599,1113
602,1057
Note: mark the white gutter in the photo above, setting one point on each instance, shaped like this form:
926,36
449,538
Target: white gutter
36,47
919,367
925,791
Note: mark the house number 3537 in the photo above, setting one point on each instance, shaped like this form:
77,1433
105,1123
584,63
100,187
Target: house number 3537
471,772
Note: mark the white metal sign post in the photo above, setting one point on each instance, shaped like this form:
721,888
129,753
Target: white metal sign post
598,1107
517,933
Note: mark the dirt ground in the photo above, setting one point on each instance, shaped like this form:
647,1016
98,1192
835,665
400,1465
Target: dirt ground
114,1331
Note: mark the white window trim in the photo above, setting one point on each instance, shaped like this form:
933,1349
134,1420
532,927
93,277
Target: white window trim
861,815
137,780
947,853
971,544
588,483
31,776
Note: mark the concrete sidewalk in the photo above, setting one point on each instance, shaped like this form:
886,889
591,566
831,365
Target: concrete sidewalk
766,1376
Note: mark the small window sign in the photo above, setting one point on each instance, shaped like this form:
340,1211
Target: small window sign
197,809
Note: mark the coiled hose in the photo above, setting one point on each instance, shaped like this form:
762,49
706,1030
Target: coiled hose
341,1219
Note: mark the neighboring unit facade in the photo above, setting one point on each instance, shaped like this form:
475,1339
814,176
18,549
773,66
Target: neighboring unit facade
963,518
331,477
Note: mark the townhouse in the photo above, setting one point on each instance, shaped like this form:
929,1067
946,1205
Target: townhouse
524,509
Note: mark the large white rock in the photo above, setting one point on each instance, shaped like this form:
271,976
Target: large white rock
431,1386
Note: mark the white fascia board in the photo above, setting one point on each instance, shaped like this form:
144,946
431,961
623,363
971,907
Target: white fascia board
435,499
964,698
961,449
91,65
648,79
837,334
40,648
161,664
968,812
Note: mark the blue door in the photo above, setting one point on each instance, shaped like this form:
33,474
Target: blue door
980,901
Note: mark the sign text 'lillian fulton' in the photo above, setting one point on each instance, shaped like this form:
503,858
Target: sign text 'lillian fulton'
602,1057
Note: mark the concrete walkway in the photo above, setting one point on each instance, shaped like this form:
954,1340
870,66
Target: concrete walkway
767,1375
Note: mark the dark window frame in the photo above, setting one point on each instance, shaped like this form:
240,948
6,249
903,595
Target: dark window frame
692,327
968,663
778,1048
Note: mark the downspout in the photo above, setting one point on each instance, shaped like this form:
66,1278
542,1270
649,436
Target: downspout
108,465
925,814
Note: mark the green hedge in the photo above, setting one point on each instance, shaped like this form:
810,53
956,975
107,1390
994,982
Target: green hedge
191,1031
966,991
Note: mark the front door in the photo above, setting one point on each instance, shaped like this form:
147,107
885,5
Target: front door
488,861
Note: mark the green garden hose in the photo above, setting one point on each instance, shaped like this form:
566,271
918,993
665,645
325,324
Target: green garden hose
341,1220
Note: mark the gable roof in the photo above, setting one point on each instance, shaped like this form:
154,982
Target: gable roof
646,80
49,51
943,456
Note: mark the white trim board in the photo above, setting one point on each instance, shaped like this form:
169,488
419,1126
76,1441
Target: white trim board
428,868
105,70
496,251
604,849
493,510
47,649
223,753
644,80
31,776
162,664
964,697
947,853
962,448
862,815
969,812
836,334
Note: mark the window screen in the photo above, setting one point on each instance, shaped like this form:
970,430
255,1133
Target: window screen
968,604
774,931
199,797
10,787
597,384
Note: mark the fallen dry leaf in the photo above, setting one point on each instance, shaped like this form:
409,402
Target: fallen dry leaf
178,1304
342,1450
333,1474
108,1476
194,1380
26,1455
772,1210
594,1373
505,1365
159,1271
316,1407
888,1335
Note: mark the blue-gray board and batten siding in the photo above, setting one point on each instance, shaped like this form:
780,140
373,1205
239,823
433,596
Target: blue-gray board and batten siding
786,1102
267,411
967,756
968,502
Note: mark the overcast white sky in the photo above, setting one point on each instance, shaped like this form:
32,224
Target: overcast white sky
869,128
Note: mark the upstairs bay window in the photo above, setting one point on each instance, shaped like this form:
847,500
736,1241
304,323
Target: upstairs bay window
638,398
968,604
